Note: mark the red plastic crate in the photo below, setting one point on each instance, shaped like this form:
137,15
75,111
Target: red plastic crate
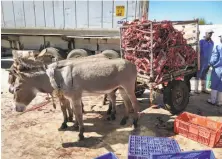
200,129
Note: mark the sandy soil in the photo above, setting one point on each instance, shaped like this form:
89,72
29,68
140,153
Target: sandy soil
35,135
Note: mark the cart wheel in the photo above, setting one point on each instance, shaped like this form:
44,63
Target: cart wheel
111,54
187,80
76,53
176,96
139,90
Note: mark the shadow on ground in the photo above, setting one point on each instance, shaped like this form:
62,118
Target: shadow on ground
111,132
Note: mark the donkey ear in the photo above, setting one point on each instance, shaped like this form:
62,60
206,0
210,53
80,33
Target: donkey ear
8,70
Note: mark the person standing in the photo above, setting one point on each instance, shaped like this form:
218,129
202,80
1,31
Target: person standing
206,48
216,76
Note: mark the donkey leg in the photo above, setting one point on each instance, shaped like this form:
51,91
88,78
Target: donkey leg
112,97
82,107
104,99
77,107
131,95
65,117
70,111
127,104
108,112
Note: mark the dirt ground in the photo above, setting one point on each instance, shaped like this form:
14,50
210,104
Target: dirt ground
35,135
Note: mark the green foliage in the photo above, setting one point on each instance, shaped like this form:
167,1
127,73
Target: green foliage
202,21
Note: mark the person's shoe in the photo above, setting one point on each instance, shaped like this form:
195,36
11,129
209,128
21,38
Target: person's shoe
213,97
219,104
205,91
196,92
210,102
219,99
203,85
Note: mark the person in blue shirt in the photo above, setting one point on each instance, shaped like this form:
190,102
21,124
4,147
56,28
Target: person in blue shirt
216,76
206,48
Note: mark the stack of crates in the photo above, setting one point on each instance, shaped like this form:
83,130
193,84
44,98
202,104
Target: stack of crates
145,147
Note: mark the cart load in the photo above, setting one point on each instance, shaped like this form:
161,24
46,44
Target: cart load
158,48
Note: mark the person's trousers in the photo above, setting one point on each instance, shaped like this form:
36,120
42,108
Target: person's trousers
215,97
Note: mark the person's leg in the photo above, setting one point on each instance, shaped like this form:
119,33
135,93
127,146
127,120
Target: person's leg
213,97
219,94
203,82
214,87
197,82
219,99
203,86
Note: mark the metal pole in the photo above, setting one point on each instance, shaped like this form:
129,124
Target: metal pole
102,14
3,18
75,14
147,10
88,13
136,9
24,12
53,9
34,11
144,5
198,46
127,5
13,13
151,51
112,13
44,13
64,17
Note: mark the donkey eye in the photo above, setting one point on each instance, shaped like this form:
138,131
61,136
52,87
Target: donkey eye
17,89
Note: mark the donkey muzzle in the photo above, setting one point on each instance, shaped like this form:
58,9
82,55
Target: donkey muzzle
11,89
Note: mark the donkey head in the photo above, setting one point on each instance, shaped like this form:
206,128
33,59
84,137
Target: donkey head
22,85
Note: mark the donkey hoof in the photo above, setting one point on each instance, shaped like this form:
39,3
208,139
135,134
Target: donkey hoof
108,112
123,121
81,137
135,123
113,117
70,119
63,126
76,127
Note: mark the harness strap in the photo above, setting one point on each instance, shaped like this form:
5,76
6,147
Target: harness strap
57,89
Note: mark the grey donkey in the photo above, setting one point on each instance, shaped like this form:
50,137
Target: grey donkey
96,76
20,86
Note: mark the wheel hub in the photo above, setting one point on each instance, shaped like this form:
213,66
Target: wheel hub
178,97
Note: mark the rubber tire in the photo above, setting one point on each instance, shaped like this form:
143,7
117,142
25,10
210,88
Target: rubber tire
187,81
76,53
55,53
111,54
139,90
168,96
